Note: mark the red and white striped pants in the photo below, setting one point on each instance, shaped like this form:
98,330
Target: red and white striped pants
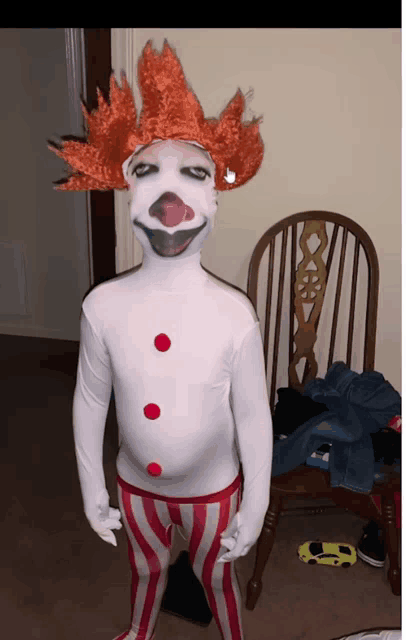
148,520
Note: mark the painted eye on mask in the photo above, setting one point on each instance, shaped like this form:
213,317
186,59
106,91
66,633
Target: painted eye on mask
196,172
199,173
144,169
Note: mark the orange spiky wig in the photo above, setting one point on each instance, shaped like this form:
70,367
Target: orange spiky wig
171,111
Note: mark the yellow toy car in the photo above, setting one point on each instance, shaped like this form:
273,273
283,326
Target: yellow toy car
333,554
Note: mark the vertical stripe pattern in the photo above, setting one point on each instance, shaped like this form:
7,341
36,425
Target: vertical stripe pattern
148,520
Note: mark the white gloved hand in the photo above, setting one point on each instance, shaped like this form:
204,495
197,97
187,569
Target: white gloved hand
102,518
240,536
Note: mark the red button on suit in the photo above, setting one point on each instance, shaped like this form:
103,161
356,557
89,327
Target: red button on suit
154,469
152,411
162,342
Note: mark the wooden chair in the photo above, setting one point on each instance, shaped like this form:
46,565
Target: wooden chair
333,287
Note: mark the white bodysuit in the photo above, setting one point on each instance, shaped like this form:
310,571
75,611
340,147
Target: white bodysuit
187,407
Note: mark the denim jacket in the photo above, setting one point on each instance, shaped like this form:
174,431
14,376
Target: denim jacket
359,405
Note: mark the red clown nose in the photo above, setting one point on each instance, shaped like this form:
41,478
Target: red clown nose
171,210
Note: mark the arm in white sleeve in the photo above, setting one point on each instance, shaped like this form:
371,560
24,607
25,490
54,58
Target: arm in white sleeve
253,420
90,406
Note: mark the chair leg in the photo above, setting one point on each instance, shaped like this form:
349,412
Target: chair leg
392,542
264,548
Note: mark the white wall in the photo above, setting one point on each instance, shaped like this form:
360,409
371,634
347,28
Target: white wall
52,225
331,101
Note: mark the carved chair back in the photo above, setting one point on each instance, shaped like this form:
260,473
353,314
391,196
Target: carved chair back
313,279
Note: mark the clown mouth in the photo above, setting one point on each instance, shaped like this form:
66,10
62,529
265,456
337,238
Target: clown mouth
166,245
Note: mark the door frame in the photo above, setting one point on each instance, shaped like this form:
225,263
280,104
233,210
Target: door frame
88,59
97,44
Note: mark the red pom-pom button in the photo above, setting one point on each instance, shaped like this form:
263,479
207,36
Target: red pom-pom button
162,342
152,411
154,469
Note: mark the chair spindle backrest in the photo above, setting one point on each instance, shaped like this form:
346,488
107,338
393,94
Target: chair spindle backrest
307,286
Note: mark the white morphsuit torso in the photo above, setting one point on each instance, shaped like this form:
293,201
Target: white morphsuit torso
215,353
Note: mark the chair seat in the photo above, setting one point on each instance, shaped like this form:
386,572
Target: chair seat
315,482
311,482
302,481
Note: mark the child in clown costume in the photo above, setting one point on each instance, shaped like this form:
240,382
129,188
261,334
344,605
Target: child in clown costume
182,350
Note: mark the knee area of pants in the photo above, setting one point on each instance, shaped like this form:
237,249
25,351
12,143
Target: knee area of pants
214,581
156,571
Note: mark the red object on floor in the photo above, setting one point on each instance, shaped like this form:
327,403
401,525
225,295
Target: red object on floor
398,506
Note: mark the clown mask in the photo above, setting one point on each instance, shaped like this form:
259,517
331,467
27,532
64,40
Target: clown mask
172,184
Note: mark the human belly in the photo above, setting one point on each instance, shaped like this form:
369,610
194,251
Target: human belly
194,454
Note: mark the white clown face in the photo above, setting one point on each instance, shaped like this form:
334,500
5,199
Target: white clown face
173,197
